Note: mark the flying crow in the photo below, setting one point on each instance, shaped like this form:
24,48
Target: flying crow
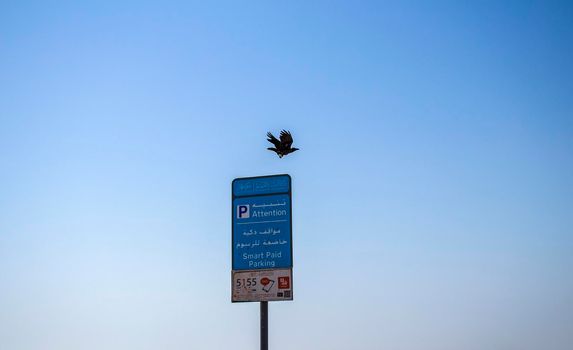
282,147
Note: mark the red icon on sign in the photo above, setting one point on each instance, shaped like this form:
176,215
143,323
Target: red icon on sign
267,284
284,282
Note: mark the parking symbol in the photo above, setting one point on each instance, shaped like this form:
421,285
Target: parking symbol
243,211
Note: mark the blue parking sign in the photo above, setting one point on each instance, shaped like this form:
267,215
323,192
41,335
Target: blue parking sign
262,225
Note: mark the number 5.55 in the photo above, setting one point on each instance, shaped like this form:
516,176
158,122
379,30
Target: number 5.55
245,282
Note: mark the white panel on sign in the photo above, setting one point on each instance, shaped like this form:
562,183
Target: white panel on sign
262,285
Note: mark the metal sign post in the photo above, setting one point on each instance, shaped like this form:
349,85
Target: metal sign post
262,243
264,325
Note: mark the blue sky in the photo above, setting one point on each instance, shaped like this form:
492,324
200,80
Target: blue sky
432,195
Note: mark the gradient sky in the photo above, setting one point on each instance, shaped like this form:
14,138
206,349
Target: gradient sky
432,196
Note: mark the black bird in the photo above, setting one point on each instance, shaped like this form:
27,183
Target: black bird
282,147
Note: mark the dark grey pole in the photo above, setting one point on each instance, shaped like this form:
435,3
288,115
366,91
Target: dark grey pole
264,325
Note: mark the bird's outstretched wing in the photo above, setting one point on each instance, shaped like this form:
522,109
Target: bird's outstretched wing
272,139
286,138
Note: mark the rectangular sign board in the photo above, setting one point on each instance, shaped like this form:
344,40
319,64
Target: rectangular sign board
262,285
262,228
262,223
